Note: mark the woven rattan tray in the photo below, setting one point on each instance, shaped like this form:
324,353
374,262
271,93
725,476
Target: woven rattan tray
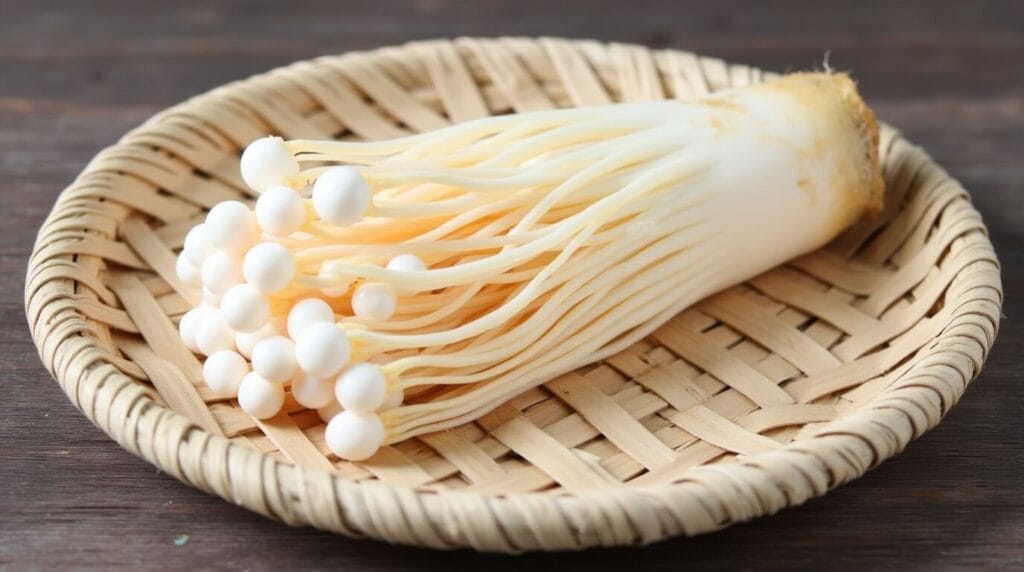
871,340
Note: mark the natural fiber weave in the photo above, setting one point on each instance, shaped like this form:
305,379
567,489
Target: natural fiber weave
758,398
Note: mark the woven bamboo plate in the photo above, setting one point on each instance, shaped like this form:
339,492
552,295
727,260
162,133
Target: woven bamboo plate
759,398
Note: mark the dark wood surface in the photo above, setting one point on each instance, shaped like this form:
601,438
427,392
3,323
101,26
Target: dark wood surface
75,75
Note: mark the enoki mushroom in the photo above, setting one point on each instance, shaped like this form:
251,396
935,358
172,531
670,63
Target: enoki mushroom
407,286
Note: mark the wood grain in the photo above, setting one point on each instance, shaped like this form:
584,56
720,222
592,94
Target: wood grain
76,75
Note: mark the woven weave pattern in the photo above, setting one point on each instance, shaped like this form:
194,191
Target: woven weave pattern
758,398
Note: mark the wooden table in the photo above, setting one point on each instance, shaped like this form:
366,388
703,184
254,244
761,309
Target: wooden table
76,75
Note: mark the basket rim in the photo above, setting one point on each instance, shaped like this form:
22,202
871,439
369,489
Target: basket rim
540,520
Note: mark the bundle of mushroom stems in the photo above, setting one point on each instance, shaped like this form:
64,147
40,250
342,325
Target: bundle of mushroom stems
407,286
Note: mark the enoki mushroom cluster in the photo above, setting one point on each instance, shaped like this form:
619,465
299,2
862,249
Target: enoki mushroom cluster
407,286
